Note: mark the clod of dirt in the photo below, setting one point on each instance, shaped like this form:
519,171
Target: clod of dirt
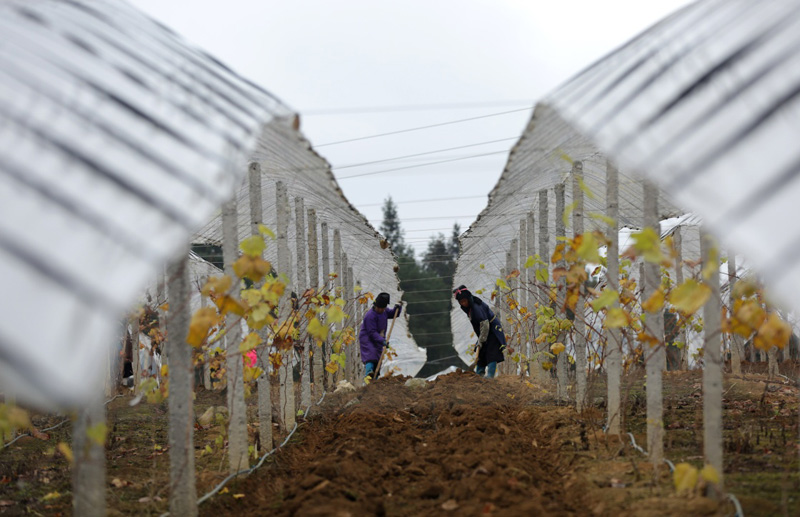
415,383
344,387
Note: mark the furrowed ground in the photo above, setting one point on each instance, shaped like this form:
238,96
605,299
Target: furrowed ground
463,445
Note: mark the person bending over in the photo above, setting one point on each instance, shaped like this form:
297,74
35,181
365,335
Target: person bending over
491,339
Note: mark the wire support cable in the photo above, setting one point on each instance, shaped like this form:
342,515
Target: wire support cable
423,127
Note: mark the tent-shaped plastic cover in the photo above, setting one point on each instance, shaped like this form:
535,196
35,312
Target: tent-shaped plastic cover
118,141
707,105
284,156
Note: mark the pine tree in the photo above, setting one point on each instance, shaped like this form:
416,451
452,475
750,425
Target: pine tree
438,259
453,246
390,228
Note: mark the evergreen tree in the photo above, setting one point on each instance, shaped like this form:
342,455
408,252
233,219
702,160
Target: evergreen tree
452,245
427,291
391,229
438,259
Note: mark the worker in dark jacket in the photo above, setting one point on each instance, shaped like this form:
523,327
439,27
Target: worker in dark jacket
491,339
372,335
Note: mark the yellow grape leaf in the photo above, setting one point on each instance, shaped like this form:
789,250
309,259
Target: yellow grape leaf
226,304
530,262
249,343
501,283
685,477
165,370
253,246
689,296
238,496
65,449
335,314
332,367
164,307
514,274
607,298
773,332
542,276
557,348
547,365
252,296
340,302
616,317
710,474
317,330
558,253
217,284
588,248
482,266
655,302
744,288
97,433
202,320
648,244
254,268
50,496
263,230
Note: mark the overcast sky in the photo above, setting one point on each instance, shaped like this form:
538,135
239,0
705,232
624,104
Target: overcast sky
414,63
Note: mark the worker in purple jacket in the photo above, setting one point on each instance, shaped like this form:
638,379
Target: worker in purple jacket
372,335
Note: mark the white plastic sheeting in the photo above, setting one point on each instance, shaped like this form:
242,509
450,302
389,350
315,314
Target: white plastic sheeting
286,156
117,141
707,105
540,160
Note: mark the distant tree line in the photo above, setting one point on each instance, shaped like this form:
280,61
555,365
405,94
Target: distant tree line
426,284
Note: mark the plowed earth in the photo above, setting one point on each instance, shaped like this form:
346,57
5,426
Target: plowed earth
461,445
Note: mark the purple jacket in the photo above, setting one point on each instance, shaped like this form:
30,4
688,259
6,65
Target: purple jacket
372,334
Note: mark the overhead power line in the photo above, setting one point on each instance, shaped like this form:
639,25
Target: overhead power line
412,107
427,153
482,196
340,178
423,127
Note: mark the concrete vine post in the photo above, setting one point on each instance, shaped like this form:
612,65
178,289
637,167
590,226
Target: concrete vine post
654,354
262,354
735,339
351,319
514,285
543,271
677,240
183,492
579,334
302,284
237,411
712,370
349,373
359,317
613,336
337,268
326,282
161,299
89,464
524,297
207,384
286,309
561,232
533,365
318,364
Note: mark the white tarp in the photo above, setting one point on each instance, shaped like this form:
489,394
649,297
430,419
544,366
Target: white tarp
117,141
707,105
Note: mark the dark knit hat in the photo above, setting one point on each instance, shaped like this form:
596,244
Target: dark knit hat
382,300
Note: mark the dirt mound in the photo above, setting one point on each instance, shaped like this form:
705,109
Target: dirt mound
463,445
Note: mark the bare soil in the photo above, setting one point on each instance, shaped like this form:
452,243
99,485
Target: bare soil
463,445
